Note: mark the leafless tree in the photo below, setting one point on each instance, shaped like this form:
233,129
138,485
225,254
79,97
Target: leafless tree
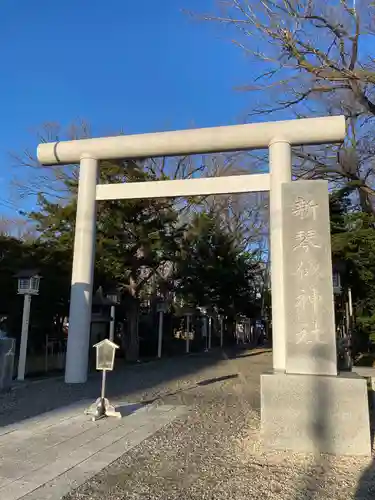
31,179
312,57
17,227
243,215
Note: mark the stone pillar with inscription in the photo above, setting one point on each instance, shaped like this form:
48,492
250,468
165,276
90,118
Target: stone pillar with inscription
310,408
308,291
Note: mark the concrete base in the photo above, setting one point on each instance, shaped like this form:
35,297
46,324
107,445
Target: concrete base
318,414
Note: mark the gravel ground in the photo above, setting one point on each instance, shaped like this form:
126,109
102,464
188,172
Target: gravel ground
213,452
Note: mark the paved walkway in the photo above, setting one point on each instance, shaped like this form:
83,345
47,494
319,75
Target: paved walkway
44,458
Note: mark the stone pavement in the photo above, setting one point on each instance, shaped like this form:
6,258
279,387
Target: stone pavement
44,458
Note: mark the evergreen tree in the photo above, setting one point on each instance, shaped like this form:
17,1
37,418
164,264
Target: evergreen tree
212,272
134,238
353,243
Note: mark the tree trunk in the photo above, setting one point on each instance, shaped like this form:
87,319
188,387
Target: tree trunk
365,202
132,344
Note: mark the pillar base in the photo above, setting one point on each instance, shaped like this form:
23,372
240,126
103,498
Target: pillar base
101,409
315,413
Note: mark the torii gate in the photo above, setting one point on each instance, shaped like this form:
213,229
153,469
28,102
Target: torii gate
278,137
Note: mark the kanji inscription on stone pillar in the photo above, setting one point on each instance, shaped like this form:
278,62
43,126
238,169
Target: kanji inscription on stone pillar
308,289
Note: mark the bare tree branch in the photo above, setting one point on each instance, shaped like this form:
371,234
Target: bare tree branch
308,62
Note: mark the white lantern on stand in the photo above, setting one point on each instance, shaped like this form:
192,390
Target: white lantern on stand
28,285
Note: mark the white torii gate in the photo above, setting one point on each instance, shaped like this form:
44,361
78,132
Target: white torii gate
279,137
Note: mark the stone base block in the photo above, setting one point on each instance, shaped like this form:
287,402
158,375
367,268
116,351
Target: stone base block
315,413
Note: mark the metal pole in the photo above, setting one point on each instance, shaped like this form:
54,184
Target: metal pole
160,333
221,332
350,302
204,320
112,324
82,274
187,333
24,337
280,158
102,394
209,332
46,356
102,410
347,318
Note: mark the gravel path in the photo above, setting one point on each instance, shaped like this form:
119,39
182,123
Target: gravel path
214,452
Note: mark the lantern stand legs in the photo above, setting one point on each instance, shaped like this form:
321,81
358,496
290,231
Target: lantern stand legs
102,407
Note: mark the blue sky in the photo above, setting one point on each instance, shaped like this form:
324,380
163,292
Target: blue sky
139,66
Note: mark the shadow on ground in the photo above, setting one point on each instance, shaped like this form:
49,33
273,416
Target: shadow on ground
127,410
366,486
325,471
191,387
143,383
244,353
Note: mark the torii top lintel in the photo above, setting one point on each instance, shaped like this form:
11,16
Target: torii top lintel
305,131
